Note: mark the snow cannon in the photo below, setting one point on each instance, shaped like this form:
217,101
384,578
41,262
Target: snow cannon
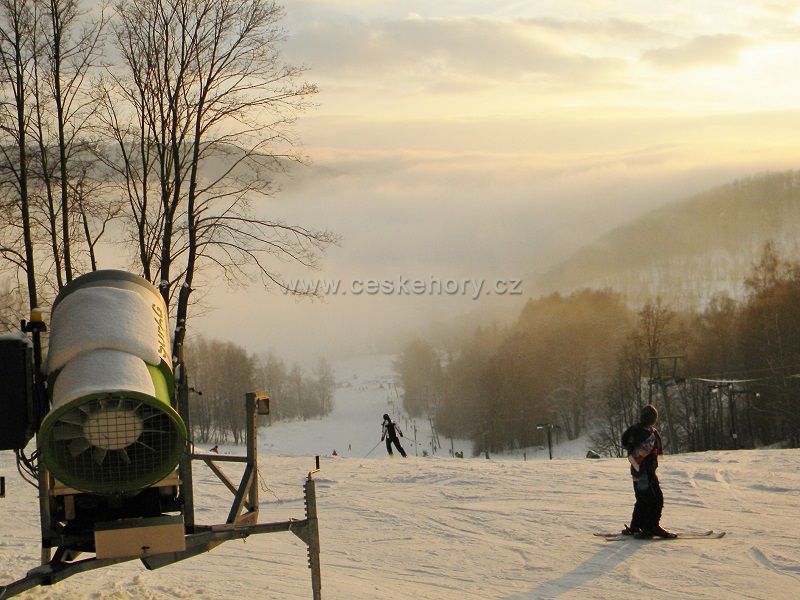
111,428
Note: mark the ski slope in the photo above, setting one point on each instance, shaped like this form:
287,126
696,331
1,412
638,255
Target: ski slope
440,528
366,389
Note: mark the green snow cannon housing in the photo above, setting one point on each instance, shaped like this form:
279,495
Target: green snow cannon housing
112,428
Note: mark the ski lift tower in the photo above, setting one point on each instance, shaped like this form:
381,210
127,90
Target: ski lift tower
665,377
549,427
733,388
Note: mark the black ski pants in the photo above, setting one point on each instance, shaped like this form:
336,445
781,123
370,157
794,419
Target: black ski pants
648,507
396,442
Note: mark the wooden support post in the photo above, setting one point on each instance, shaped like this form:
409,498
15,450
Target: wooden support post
310,492
243,490
252,451
222,477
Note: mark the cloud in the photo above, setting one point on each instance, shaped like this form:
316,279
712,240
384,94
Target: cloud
615,30
444,52
784,8
504,198
702,51
428,192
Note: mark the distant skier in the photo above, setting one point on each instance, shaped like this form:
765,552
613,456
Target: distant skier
390,432
215,450
643,444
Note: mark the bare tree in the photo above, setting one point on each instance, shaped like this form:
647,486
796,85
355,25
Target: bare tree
11,306
136,165
200,112
69,49
48,49
323,385
17,23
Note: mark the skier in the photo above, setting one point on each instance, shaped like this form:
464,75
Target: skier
390,432
215,450
643,444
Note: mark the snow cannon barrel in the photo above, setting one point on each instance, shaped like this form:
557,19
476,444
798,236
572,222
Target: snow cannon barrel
112,428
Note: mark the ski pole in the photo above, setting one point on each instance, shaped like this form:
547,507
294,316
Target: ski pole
373,448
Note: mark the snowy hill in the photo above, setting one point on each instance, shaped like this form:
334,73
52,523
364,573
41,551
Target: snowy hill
439,528
687,251
366,389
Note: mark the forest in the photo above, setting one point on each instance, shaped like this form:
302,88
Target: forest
688,251
585,363
223,372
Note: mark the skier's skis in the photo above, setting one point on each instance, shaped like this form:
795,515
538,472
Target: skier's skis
628,533
681,535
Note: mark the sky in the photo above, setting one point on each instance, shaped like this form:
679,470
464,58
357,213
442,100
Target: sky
491,139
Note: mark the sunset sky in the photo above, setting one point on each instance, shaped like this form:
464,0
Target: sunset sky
492,139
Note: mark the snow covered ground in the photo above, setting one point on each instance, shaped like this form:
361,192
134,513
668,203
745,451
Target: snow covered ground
440,528
366,389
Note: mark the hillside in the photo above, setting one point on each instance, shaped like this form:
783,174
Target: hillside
689,250
450,529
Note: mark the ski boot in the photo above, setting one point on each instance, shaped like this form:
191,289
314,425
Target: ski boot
656,532
663,533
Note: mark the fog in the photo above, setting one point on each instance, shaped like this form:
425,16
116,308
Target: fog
486,141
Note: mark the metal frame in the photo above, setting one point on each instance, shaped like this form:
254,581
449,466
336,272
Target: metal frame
664,382
242,519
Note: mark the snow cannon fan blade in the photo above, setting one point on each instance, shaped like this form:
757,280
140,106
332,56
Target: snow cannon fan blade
112,428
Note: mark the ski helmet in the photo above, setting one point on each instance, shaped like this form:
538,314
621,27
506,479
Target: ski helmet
649,415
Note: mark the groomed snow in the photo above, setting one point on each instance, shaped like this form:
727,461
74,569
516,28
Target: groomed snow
473,529
439,528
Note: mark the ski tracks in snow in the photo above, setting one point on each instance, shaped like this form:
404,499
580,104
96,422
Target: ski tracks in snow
449,529
779,565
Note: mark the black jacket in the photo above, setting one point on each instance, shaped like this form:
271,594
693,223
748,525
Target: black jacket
643,445
391,429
